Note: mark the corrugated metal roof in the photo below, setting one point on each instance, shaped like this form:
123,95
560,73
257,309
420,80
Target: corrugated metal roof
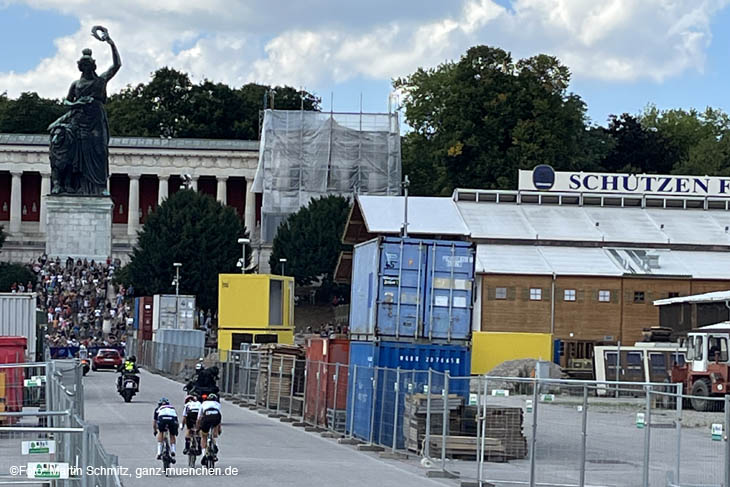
144,142
525,259
625,225
426,215
511,259
488,220
689,226
495,221
560,223
596,261
713,297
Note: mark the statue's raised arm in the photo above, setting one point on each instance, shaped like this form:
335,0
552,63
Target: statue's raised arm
102,34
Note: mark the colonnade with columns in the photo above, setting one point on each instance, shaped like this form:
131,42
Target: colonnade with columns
17,198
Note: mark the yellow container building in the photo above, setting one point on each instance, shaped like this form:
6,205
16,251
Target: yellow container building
490,349
254,308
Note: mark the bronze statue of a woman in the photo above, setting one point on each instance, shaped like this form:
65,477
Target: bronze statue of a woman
80,138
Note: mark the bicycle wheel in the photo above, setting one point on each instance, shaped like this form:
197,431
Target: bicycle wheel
166,455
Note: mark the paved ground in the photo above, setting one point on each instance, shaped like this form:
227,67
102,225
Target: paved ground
265,451
615,447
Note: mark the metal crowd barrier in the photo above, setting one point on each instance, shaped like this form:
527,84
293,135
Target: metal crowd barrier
47,434
491,430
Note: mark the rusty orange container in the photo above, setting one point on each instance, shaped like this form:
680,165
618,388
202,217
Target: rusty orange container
327,373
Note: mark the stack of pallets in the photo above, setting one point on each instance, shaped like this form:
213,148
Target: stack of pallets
466,447
502,423
415,413
274,388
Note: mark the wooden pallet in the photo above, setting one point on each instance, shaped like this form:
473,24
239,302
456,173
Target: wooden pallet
465,447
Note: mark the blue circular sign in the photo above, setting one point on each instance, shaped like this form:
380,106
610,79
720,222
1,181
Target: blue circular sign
543,177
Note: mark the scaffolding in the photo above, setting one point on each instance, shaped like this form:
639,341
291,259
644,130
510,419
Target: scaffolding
308,154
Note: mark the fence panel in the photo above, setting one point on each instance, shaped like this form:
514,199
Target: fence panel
703,457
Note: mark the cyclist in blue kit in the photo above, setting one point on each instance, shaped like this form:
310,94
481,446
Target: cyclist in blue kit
165,419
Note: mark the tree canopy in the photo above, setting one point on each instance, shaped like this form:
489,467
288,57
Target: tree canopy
478,120
14,274
311,240
169,105
28,114
197,231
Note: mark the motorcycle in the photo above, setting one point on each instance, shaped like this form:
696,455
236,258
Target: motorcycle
128,386
85,365
201,391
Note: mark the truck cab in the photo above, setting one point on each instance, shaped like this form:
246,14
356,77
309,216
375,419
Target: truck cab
706,372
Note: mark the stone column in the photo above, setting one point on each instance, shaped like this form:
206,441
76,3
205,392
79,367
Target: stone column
162,191
249,217
15,202
133,210
194,185
45,191
222,186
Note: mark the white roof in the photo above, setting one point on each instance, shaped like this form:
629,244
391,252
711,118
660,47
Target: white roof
689,227
542,222
491,220
495,221
526,259
722,326
717,296
438,216
598,261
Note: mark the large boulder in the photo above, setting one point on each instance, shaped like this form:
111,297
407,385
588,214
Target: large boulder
520,368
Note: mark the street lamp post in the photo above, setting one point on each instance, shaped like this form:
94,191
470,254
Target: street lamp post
177,265
242,261
282,261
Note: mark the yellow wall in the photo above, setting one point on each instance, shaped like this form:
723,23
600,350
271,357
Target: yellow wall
243,300
490,349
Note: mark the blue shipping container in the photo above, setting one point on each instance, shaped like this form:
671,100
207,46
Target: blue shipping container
411,289
135,323
371,396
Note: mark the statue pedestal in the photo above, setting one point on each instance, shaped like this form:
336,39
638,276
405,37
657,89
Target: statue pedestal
79,227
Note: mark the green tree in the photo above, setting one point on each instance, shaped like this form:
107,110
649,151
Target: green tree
14,273
478,120
638,149
195,230
28,114
699,140
709,156
311,240
171,105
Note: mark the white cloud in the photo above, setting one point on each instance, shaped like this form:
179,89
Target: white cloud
329,41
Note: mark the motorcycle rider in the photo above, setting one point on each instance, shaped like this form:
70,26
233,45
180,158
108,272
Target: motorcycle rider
165,419
83,352
205,382
209,420
189,419
199,367
128,367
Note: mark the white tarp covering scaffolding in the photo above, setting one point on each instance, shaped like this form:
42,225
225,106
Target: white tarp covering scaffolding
307,154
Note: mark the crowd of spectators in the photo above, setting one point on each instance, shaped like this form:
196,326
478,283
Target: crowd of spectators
83,305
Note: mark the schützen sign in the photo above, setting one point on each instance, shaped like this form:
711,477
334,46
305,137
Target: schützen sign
544,178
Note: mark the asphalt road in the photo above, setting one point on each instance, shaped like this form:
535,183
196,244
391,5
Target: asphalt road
264,451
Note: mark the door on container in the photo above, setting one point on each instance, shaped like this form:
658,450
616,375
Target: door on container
448,291
402,280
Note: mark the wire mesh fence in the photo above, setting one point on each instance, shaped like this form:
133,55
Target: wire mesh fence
490,430
43,434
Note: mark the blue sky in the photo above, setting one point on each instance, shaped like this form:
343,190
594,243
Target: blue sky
623,54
